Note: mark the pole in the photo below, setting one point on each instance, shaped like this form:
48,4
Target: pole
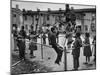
41,47
65,56
41,40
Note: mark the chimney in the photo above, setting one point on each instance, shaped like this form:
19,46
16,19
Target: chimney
60,9
17,6
72,8
38,10
67,8
49,9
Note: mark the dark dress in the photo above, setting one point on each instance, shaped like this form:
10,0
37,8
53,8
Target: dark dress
32,46
87,49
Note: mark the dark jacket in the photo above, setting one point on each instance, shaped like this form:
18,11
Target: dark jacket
76,45
21,44
53,39
23,34
32,46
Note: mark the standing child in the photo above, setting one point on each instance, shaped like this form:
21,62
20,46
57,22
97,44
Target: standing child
21,45
15,35
76,51
87,49
32,47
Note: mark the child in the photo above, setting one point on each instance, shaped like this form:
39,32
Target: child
76,51
87,49
32,47
21,45
15,35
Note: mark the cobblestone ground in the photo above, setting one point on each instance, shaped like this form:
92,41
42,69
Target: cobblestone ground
27,66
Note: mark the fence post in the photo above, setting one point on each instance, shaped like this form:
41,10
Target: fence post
65,58
41,48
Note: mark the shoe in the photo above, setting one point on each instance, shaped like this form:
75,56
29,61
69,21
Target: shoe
85,63
90,64
74,69
32,56
57,63
49,58
16,49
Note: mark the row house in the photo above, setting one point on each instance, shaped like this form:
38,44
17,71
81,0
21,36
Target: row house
85,18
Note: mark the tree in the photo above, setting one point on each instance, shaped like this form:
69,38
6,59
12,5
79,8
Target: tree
70,17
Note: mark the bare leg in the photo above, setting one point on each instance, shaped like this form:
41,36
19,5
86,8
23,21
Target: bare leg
88,59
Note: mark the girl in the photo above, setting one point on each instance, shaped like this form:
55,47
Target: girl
87,49
32,47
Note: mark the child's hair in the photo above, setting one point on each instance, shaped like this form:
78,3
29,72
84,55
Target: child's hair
52,29
77,35
94,37
87,34
22,27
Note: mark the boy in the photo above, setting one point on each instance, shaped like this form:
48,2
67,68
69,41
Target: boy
55,45
76,51
21,45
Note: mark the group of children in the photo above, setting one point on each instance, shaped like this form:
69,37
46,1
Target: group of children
75,52
20,41
87,52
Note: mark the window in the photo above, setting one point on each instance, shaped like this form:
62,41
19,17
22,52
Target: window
93,27
25,17
48,17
